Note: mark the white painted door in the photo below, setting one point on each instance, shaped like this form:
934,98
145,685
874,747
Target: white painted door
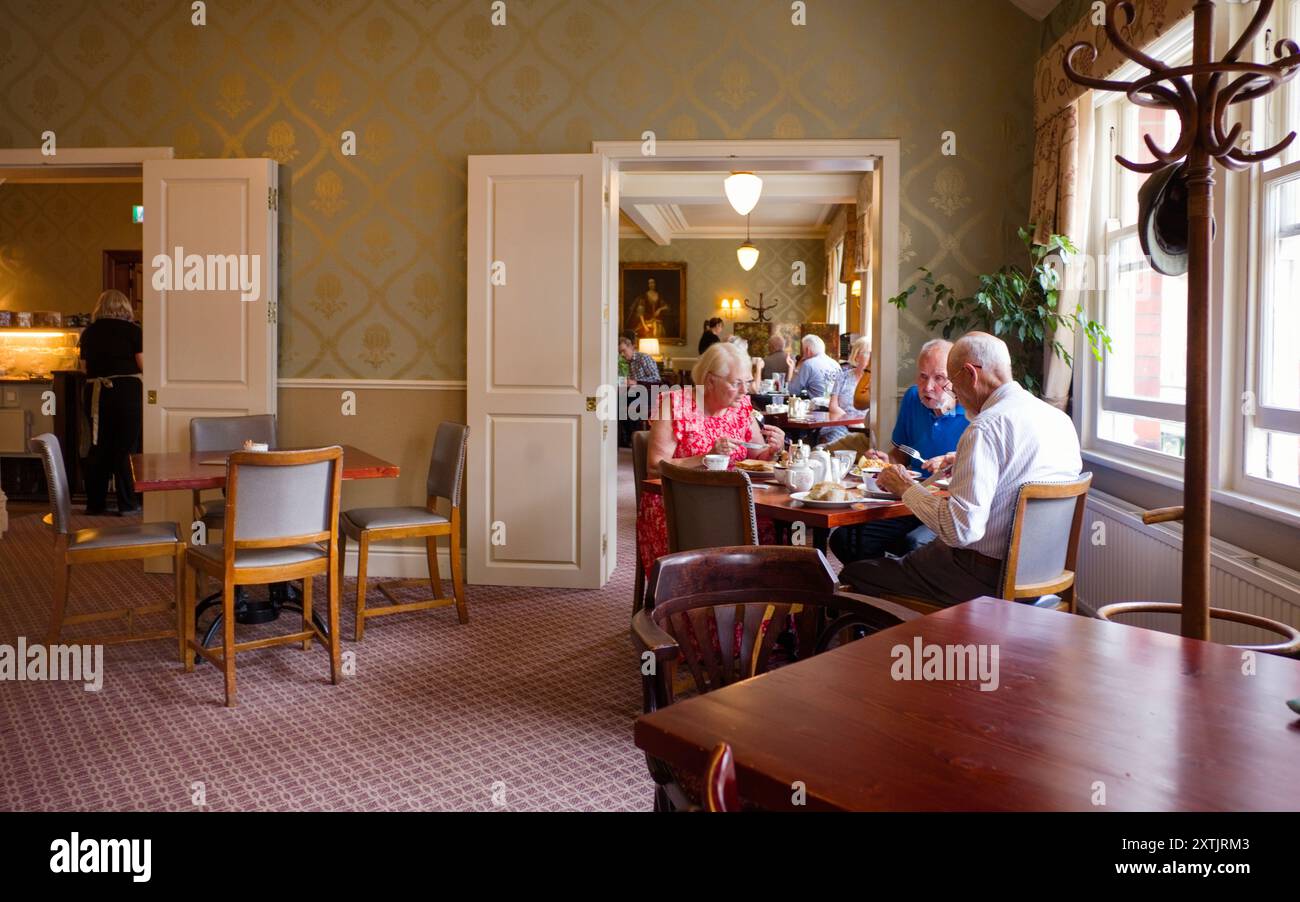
538,349
207,352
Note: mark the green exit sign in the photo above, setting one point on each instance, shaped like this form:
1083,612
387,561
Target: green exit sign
137,213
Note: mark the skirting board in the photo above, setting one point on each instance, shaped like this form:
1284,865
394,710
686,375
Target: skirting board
399,562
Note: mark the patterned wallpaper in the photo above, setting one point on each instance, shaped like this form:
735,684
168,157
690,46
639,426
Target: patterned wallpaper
52,239
373,245
712,273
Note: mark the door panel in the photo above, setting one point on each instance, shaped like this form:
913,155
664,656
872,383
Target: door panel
207,352
537,456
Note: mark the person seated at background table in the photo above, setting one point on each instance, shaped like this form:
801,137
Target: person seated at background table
642,369
930,421
851,390
1013,438
712,333
816,370
778,361
684,432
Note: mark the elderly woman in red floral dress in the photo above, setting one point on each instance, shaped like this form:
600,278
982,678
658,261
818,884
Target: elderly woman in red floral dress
685,430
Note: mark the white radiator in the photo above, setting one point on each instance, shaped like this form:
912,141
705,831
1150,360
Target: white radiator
1144,563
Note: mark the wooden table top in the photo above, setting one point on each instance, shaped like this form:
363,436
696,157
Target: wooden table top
1165,723
815,419
186,470
775,502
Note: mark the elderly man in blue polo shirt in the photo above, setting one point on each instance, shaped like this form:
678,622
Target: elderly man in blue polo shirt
931,422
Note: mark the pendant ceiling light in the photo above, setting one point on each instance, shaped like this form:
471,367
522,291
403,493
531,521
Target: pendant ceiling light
743,189
747,254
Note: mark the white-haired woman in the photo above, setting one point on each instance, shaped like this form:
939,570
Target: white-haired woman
711,419
851,390
112,355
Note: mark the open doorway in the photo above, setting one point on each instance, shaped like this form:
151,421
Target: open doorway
826,218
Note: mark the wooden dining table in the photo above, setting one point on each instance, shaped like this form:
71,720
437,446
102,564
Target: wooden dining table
185,470
773,500
814,419
1087,715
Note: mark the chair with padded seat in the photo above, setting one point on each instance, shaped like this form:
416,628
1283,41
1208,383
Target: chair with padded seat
1040,571
102,544
710,610
377,524
282,514
707,508
225,434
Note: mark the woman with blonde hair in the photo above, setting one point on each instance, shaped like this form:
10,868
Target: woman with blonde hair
711,419
851,390
112,355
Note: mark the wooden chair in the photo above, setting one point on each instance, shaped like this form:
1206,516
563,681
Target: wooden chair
707,508
102,544
640,452
697,603
377,524
225,434
1288,648
1041,569
720,781
282,514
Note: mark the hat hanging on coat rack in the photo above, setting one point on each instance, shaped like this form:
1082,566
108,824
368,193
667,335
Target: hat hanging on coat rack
1162,219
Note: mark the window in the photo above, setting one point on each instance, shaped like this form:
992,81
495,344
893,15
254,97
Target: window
1142,386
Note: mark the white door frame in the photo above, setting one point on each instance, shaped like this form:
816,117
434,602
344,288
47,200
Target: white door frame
885,154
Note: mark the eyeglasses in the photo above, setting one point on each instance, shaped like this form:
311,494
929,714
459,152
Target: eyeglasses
738,385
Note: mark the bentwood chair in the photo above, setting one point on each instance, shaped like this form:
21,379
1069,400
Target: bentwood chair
707,508
225,434
102,544
640,452
1042,549
712,612
376,524
720,781
282,514
1289,647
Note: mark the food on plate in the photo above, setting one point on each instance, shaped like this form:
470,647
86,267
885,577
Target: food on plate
755,466
833,491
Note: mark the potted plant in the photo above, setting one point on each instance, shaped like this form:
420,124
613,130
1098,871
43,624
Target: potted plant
1022,308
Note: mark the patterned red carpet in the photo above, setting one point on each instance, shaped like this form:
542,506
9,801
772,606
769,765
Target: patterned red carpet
532,701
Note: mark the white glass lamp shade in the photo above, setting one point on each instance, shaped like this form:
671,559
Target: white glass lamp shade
743,190
747,254
649,346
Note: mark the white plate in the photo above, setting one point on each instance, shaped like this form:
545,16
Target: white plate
803,497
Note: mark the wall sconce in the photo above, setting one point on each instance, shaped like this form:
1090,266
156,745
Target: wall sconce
856,288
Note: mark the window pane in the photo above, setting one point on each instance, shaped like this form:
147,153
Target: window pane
1146,315
1163,126
1280,314
1161,436
1274,456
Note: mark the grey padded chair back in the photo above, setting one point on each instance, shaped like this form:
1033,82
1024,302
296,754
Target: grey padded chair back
640,453
274,500
230,433
1044,536
447,462
707,509
56,478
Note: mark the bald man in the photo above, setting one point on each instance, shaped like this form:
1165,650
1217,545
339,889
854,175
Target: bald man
1013,438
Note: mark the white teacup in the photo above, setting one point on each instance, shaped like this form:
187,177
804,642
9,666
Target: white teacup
716,461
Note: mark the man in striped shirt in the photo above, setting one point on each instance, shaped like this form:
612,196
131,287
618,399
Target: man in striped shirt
1013,438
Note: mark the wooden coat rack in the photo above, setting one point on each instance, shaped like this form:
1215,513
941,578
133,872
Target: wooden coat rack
1201,97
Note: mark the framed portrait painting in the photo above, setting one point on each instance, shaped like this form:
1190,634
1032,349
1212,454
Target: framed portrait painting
652,300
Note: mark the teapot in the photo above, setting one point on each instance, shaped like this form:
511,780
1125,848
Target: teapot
820,463
800,476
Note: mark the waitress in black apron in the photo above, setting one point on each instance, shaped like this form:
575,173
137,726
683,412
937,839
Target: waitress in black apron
112,356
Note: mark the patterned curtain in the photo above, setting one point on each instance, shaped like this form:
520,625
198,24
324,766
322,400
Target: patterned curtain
1060,204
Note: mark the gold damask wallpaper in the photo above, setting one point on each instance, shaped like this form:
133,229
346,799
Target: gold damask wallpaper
373,269
712,274
52,242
